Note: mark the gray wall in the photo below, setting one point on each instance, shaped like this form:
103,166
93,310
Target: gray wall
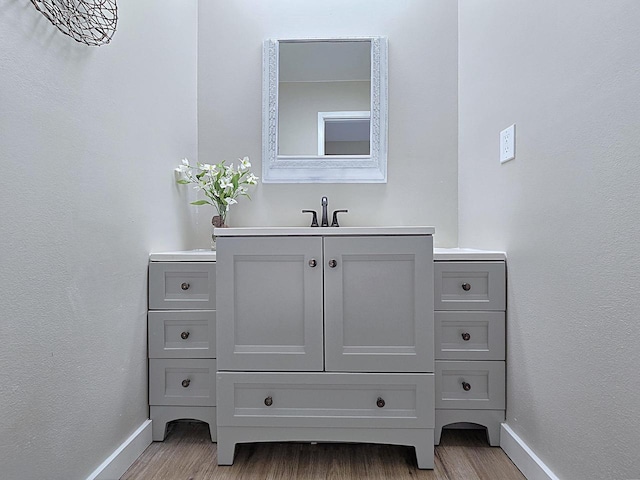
422,173
88,141
567,211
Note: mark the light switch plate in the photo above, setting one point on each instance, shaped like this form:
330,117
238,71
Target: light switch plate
508,144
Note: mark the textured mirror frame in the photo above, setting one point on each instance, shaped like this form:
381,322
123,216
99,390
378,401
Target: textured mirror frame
322,169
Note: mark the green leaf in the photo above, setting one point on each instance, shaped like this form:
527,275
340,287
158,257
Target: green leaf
201,202
183,182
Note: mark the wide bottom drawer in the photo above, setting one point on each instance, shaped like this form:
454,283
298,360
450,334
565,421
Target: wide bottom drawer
322,399
470,384
175,381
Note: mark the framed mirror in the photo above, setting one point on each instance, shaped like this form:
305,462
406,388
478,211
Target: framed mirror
324,110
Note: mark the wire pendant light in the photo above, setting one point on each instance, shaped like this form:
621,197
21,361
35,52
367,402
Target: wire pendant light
92,22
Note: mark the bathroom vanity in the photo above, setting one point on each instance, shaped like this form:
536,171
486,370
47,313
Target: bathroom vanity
325,334
328,334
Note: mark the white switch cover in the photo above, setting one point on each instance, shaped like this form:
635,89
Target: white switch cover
508,144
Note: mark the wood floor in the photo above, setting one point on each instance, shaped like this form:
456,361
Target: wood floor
188,454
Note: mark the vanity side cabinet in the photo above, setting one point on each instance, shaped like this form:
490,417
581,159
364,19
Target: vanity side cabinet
182,344
470,306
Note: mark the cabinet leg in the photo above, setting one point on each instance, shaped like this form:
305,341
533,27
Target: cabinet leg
424,450
493,434
213,431
424,456
437,434
158,430
226,451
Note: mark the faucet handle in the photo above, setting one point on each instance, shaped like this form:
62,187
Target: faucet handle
334,222
314,220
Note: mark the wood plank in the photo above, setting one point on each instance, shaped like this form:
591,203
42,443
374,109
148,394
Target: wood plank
188,453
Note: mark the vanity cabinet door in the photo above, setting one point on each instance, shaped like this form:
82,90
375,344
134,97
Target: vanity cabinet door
379,304
269,303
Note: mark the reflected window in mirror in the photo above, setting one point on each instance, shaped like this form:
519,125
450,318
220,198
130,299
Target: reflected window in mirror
344,133
325,110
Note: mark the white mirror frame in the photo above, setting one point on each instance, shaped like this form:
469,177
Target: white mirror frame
315,168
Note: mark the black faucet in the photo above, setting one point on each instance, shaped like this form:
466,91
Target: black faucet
325,220
325,217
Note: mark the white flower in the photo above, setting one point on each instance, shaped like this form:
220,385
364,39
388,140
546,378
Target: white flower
225,182
244,163
185,162
228,169
230,201
252,179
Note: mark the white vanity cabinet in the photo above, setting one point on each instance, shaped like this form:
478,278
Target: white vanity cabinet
325,334
470,290
182,339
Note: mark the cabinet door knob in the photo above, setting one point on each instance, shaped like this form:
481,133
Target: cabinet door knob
466,387
186,382
466,286
268,401
184,335
313,263
380,402
185,286
466,336
333,263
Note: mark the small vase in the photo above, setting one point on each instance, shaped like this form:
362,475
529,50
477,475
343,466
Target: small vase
217,222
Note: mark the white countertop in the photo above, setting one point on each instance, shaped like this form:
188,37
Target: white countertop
199,255
439,254
467,254
321,231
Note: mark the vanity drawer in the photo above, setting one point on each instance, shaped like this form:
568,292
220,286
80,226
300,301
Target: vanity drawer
182,285
182,382
469,335
469,285
182,334
326,400
473,385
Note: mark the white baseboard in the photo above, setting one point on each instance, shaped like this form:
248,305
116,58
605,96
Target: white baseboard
124,456
523,457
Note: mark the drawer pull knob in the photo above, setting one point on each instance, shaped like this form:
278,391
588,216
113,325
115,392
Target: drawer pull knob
185,286
466,336
333,263
313,263
186,382
466,286
380,402
268,401
184,335
466,387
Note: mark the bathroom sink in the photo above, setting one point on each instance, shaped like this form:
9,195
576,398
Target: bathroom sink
322,231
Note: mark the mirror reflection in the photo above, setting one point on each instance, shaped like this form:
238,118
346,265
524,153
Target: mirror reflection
324,98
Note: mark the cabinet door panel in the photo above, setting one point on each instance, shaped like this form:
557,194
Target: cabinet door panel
269,303
379,304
